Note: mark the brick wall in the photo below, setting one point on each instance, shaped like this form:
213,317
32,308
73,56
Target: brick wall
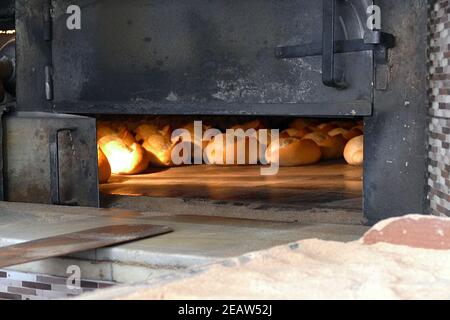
28,286
439,110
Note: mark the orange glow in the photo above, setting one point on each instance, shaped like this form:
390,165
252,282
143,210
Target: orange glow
124,154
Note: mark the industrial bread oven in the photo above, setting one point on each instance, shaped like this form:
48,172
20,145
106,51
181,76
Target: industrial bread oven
78,62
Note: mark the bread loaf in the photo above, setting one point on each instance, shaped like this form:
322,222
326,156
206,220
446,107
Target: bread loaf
331,147
302,123
255,124
294,152
157,143
347,134
105,129
346,124
323,127
354,132
145,130
354,151
294,133
264,137
338,131
190,127
218,150
124,154
104,169
185,138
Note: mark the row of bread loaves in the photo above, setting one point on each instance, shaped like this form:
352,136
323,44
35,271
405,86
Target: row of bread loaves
307,141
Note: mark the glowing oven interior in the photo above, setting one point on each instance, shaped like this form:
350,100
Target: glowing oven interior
319,160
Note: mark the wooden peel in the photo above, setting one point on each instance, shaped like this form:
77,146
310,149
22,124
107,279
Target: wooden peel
77,241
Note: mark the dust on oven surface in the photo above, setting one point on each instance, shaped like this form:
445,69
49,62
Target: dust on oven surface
229,64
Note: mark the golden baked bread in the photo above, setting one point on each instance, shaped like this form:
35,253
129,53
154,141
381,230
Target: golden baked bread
354,132
302,123
159,150
157,143
264,137
347,134
346,124
145,130
323,127
338,131
190,140
294,152
255,124
354,151
166,131
124,153
105,129
191,128
331,147
110,127
218,150
294,133
104,169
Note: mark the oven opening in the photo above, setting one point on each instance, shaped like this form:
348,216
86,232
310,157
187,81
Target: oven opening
316,164
7,50
6,35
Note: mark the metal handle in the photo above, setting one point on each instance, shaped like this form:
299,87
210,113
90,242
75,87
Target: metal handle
54,167
328,46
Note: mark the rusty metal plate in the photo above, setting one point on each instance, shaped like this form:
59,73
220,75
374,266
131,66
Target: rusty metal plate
50,158
193,57
76,242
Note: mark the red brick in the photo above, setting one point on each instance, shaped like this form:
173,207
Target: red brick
413,231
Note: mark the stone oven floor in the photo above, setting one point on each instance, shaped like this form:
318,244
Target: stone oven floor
327,181
329,192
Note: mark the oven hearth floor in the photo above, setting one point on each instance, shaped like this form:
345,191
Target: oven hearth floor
329,192
324,182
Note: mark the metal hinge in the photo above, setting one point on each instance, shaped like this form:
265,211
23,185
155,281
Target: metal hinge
377,41
48,37
2,168
48,82
48,23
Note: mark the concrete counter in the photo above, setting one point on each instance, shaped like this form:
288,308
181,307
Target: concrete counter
196,240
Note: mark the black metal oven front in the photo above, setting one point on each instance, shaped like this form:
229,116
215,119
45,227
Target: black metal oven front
220,57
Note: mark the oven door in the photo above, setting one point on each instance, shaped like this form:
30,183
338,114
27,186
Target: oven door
50,158
208,57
